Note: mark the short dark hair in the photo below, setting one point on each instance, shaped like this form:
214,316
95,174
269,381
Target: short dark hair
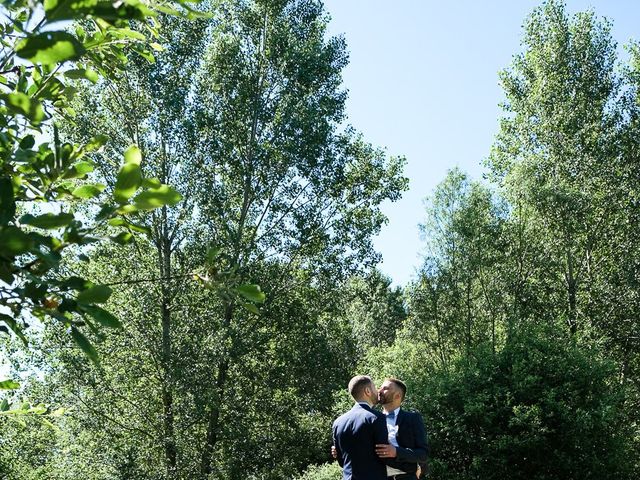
400,384
358,384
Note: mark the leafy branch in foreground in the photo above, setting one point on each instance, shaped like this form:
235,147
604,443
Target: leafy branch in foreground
25,408
43,182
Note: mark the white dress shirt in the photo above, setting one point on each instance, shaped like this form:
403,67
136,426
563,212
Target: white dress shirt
392,429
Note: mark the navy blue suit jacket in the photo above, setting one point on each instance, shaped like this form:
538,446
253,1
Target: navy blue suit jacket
355,435
412,438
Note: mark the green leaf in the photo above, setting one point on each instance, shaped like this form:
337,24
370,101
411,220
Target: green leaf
58,412
14,241
128,33
7,201
121,222
157,197
49,424
4,405
105,212
82,74
104,9
79,170
102,316
13,325
84,345
88,191
117,222
49,221
39,409
139,228
9,385
133,155
212,254
52,90
96,143
97,294
169,10
6,275
151,183
20,103
49,48
123,238
75,283
50,258
27,142
126,209
146,54
251,292
251,307
130,175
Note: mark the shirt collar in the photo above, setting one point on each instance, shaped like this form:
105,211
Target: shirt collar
395,412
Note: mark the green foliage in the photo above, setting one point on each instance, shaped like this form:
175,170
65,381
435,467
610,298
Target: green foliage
274,192
374,310
539,408
327,471
542,246
9,385
518,340
43,179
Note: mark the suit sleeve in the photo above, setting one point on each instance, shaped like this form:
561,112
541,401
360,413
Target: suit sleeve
335,444
380,432
417,454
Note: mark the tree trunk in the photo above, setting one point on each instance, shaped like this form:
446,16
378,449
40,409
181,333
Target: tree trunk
164,258
572,289
213,422
469,322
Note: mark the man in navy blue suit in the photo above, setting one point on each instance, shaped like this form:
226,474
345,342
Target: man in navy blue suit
357,432
406,448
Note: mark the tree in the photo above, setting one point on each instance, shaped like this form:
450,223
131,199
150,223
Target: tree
566,159
292,208
374,309
556,153
277,181
455,302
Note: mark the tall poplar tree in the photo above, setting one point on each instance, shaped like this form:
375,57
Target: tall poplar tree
278,181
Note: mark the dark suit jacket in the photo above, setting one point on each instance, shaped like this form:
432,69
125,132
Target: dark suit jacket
355,435
412,439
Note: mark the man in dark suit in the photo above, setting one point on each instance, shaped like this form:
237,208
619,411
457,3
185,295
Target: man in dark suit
357,432
406,449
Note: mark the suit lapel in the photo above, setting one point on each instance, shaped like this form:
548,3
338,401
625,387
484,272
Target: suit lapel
401,417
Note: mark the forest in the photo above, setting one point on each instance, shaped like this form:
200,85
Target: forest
187,272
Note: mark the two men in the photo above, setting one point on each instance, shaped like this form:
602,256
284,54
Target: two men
405,441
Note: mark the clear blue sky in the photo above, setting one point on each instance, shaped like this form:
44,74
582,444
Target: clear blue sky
423,83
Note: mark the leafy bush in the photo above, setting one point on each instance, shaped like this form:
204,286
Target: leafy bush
326,471
540,408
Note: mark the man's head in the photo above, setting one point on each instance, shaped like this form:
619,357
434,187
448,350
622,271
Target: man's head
391,393
362,389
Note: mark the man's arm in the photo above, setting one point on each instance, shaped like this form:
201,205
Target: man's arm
417,454
383,449
381,435
338,453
